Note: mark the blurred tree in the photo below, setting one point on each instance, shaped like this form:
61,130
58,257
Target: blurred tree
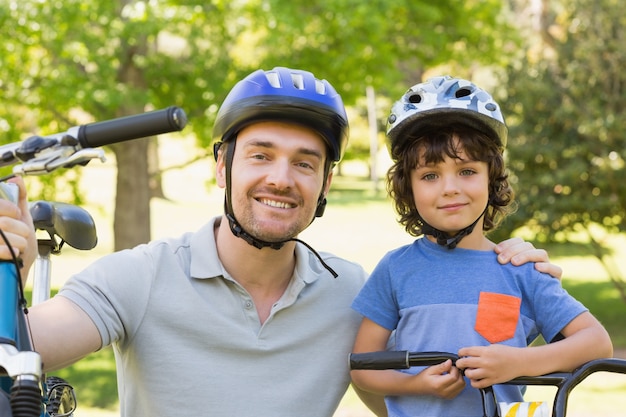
565,107
103,60
110,59
385,44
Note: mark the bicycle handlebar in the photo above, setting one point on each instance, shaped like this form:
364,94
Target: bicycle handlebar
152,123
398,359
43,154
564,381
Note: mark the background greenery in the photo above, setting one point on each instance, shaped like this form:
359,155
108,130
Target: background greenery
555,66
359,224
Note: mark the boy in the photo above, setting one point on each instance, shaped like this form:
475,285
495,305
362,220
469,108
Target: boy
446,291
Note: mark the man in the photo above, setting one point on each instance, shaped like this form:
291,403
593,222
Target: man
239,318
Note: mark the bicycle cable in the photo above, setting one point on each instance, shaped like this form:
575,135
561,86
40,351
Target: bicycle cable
18,263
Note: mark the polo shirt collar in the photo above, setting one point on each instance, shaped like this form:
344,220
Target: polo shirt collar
205,262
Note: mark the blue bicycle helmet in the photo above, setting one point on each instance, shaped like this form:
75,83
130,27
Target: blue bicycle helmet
289,95
440,102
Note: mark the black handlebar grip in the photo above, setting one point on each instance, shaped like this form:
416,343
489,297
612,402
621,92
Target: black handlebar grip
142,125
380,360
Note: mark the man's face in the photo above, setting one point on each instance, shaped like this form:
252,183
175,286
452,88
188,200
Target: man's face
276,179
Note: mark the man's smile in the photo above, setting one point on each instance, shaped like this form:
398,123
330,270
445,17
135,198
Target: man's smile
274,203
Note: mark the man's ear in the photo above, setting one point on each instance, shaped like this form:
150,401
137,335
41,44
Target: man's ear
329,180
321,203
220,170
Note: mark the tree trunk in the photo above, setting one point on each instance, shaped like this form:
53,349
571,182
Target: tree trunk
154,170
131,223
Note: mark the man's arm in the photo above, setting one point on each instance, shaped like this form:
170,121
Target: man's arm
518,252
62,332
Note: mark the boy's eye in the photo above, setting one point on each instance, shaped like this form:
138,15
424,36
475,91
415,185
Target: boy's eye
429,177
467,172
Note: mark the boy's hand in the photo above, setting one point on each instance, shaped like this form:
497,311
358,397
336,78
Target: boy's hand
443,380
488,365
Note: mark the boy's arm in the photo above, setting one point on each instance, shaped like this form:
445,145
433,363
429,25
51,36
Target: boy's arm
375,402
585,339
518,252
443,380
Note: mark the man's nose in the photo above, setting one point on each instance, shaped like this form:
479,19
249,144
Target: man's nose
280,175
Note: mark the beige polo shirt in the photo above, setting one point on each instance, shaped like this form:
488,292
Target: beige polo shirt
188,340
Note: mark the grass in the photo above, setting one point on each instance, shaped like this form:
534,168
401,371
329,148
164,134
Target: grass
359,224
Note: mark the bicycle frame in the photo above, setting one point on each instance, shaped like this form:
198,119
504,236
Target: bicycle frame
17,357
21,370
74,226
564,381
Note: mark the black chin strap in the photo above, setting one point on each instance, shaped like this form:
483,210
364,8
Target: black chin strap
444,238
239,231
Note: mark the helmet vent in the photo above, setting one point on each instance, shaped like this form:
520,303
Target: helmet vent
320,87
298,81
273,79
462,92
415,98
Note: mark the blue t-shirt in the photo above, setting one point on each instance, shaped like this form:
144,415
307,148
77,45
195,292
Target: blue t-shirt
438,299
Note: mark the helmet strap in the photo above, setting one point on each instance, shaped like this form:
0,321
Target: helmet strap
240,232
235,227
444,239
321,201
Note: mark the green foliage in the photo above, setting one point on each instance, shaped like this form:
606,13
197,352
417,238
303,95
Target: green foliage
604,302
94,380
566,115
385,44
104,57
70,62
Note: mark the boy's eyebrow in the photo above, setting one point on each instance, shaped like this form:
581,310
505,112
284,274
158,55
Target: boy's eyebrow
271,145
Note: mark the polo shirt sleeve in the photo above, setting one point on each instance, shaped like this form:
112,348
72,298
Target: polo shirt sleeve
114,292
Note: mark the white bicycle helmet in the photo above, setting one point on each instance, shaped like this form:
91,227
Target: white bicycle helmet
440,102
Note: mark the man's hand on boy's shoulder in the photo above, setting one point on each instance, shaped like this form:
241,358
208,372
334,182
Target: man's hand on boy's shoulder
517,251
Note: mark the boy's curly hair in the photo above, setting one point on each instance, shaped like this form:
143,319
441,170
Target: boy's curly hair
437,144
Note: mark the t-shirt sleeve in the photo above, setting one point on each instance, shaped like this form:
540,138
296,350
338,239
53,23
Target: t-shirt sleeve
376,300
553,307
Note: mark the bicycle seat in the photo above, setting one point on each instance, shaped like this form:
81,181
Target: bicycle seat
73,224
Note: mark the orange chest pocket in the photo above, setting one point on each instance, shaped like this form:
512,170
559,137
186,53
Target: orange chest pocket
497,316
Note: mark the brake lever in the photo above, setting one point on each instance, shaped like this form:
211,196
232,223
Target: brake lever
59,158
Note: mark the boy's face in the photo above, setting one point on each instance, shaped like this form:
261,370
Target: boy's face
277,177
452,194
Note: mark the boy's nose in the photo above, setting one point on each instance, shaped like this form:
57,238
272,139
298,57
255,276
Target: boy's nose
450,185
